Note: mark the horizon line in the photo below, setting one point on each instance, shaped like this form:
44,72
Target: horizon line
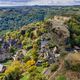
38,5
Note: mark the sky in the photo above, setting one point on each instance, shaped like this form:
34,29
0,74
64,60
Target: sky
38,2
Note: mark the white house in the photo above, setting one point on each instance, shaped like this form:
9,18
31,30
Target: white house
2,68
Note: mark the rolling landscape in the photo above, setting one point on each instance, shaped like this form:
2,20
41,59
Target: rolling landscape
40,42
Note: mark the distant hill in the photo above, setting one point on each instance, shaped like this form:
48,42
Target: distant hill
16,17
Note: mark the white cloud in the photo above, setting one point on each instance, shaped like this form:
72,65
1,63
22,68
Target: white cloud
12,3
51,2
38,2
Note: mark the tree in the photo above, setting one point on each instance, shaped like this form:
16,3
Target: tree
12,50
30,63
13,71
74,28
23,32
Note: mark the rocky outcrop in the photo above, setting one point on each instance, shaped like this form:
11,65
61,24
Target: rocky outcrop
58,32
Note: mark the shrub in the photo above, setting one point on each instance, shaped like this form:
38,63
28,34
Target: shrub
30,63
74,28
73,67
13,71
26,58
12,50
45,64
31,69
23,32
2,76
64,53
35,75
61,77
72,62
53,67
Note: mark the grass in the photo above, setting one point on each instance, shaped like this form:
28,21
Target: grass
7,63
74,57
25,77
61,77
40,69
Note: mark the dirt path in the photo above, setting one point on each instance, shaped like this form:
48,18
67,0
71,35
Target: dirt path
56,72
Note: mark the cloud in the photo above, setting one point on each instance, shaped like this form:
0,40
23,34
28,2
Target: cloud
38,2
15,0
12,3
50,2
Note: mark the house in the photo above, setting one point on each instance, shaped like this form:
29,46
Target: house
55,50
76,49
2,68
1,39
5,45
57,55
19,55
43,43
39,63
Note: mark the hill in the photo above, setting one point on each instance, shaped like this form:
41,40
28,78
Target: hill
39,50
16,17
34,47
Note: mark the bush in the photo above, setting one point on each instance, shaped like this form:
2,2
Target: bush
35,75
74,28
73,67
2,76
45,64
23,32
13,71
72,62
34,54
61,77
12,50
64,53
31,69
30,63
26,58
53,67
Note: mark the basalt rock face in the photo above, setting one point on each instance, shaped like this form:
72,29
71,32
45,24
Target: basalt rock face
58,32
